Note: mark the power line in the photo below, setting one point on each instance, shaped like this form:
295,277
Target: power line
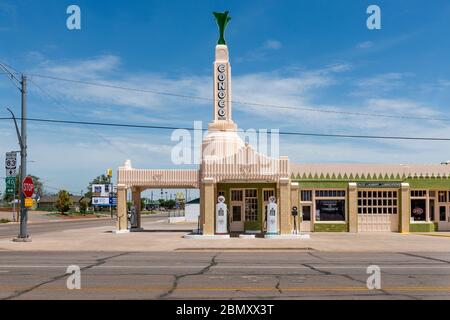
263,105
12,75
291,133
73,115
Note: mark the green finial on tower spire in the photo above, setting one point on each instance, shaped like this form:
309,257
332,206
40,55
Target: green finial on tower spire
222,21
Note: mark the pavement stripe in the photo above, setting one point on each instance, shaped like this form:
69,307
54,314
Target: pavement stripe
227,267
199,289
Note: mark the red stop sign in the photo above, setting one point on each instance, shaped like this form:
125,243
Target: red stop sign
28,187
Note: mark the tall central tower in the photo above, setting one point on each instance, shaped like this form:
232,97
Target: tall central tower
222,117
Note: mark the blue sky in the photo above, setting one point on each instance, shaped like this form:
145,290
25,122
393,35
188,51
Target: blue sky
309,54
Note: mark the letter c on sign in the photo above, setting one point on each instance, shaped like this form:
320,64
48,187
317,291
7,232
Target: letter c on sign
221,94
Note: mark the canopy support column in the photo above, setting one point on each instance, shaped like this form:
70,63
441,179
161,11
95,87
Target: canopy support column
122,217
208,206
136,196
284,206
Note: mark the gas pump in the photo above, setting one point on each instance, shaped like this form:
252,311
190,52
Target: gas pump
221,216
272,216
133,218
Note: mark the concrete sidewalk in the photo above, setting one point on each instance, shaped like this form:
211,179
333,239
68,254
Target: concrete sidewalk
160,236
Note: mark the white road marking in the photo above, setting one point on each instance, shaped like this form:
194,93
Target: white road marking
227,267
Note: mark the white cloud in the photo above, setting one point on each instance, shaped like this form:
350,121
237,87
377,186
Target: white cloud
261,52
105,70
365,45
272,44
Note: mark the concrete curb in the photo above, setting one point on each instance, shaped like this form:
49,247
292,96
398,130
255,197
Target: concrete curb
287,236
202,237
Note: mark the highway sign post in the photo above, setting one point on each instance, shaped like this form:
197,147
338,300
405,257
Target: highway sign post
28,202
10,186
28,187
11,160
11,172
11,164
113,201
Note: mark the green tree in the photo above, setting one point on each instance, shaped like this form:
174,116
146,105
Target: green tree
169,204
64,202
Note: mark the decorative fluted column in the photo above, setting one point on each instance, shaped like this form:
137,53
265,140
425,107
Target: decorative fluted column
208,206
122,218
405,203
352,207
136,194
284,206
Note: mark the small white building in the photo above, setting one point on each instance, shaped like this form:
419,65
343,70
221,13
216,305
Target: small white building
192,210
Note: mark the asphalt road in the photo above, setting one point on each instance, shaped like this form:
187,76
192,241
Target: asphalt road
11,230
224,275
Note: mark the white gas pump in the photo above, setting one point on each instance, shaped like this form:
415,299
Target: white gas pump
133,217
272,216
221,216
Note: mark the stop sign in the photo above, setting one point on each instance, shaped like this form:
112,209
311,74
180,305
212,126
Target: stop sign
28,187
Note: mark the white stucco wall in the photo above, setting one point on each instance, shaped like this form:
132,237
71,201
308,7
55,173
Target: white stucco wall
192,212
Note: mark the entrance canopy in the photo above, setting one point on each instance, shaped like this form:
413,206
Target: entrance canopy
128,177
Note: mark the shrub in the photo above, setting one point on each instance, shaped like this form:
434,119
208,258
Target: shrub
83,206
63,203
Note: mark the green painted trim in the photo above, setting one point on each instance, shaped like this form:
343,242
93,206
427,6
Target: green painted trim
339,182
321,184
259,186
252,225
330,227
436,183
423,227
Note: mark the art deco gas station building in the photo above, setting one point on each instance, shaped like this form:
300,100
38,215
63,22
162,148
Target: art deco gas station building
330,197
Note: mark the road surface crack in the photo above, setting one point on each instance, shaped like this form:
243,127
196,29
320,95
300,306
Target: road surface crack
317,270
424,257
277,286
177,278
62,276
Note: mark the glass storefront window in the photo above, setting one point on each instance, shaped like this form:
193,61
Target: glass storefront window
442,196
330,210
305,195
418,209
306,210
432,209
237,213
251,205
442,213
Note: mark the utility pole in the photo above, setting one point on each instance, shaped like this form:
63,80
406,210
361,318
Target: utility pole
22,137
23,235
